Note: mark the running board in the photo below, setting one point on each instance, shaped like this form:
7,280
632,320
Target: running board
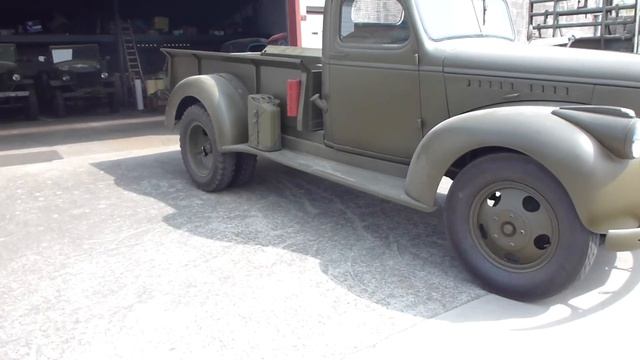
387,187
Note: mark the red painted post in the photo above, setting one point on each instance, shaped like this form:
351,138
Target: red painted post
295,33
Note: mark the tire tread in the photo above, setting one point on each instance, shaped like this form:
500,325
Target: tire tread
224,164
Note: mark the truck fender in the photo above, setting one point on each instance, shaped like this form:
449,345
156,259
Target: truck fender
584,166
225,99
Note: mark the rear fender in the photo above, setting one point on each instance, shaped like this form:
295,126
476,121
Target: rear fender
225,99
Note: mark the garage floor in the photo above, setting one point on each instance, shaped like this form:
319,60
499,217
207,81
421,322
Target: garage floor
108,252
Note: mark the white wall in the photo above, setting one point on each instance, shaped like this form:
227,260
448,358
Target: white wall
520,16
311,26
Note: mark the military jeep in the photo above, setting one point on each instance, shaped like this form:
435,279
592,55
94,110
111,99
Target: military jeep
77,74
16,89
542,145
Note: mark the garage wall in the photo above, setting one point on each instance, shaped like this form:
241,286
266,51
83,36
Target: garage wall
311,24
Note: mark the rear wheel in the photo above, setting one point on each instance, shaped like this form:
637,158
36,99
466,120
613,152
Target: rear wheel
115,98
209,169
516,229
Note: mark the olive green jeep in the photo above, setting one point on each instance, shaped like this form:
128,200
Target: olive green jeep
77,74
16,88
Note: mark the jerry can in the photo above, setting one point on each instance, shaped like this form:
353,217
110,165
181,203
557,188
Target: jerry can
264,123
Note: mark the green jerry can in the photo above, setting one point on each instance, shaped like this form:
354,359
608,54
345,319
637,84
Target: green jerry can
264,123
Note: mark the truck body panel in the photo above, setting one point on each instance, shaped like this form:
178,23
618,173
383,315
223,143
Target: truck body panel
535,158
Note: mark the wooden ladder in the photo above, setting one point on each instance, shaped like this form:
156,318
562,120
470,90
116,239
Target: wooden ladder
130,52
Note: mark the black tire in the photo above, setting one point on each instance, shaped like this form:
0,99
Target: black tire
245,169
59,107
210,170
32,110
114,103
571,249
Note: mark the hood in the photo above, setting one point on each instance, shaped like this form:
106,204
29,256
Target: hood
7,66
490,57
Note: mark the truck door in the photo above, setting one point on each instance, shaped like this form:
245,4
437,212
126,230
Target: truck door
372,82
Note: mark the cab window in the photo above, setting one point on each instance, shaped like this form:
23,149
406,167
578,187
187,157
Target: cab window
373,22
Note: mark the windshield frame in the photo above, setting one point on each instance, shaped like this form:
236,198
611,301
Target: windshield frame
73,47
424,25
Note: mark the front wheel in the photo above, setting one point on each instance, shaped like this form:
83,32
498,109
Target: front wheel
59,106
114,103
209,169
32,108
516,229
115,98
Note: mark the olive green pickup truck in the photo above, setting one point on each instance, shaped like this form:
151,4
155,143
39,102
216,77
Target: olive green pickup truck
541,144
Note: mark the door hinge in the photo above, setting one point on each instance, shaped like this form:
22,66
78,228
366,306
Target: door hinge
417,59
420,128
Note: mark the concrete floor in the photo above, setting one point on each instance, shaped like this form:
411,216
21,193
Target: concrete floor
108,252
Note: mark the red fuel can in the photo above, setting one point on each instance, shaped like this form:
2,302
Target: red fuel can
293,97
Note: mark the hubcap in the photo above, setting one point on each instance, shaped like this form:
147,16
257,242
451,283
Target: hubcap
514,227
200,149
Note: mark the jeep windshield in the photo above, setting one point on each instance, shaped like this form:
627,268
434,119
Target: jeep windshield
7,53
62,54
453,19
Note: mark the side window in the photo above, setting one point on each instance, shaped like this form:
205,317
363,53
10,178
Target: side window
373,22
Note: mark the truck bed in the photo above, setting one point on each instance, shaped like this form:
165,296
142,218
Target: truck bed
186,63
262,73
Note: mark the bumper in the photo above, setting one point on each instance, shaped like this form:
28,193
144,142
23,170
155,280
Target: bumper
623,240
86,93
13,94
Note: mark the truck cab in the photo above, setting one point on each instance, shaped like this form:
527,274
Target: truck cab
408,96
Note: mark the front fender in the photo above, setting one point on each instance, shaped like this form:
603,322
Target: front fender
604,189
225,99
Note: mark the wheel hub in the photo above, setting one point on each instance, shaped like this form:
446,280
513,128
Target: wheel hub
200,149
509,231
516,227
205,150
